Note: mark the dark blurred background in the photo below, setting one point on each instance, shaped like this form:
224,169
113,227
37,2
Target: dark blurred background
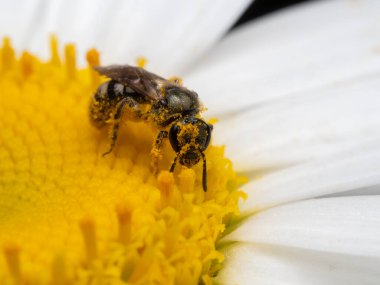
262,7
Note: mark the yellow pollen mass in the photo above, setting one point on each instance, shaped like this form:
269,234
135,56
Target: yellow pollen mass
70,216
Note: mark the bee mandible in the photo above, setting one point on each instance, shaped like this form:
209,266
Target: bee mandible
171,108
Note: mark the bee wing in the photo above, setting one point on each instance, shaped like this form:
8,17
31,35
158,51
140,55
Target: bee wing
138,79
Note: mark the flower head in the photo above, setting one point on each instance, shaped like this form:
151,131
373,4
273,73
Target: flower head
70,216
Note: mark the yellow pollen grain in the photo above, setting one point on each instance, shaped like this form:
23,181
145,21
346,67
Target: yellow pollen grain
213,121
70,216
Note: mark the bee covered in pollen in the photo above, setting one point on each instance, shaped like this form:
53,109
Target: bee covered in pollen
171,108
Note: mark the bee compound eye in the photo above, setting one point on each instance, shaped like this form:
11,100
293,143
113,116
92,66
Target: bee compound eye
173,137
204,136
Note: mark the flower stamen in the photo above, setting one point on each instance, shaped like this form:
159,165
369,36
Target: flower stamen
70,60
124,215
27,64
7,55
87,226
166,186
58,271
93,59
55,60
12,257
141,61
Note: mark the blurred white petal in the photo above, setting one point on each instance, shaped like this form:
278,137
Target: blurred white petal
291,53
345,225
305,127
370,190
248,264
18,19
171,34
358,168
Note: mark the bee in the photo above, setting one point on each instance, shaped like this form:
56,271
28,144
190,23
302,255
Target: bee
140,95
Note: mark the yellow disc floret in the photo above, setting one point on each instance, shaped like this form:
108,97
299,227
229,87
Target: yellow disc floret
70,216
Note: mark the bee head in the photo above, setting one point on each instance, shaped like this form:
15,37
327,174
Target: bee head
189,137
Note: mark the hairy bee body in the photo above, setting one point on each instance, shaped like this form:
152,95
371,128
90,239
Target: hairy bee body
174,104
106,98
136,94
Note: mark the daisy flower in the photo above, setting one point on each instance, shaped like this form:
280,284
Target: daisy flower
297,111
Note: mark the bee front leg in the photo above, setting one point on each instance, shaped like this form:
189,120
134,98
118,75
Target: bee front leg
204,173
126,103
156,152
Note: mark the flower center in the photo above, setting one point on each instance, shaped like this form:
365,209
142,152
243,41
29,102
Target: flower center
70,216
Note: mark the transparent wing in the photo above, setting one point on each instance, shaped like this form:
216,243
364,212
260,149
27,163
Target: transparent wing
138,79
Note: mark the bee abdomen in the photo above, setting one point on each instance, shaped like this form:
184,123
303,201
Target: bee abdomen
115,90
104,100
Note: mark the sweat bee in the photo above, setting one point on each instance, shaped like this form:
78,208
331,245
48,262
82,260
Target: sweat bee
173,109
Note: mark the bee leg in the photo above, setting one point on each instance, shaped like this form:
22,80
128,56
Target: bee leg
173,164
204,174
114,129
156,151
170,120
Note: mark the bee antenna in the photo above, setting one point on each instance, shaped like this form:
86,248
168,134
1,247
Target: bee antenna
204,174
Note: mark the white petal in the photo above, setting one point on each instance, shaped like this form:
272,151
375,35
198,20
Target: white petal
371,190
18,19
301,49
349,170
345,225
171,34
248,264
306,127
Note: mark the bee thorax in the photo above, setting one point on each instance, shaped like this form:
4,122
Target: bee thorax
182,101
